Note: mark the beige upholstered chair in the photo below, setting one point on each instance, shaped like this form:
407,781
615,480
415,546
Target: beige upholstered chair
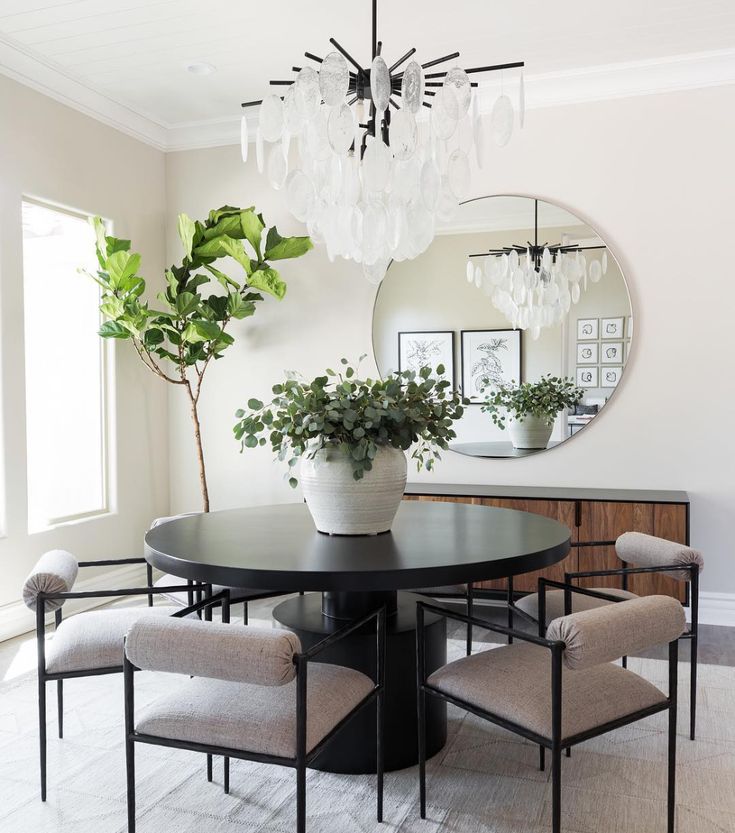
639,554
563,689
87,644
248,697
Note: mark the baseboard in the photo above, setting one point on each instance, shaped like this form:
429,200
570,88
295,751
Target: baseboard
716,609
17,619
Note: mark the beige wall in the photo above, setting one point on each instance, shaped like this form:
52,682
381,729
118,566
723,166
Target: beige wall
54,153
654,176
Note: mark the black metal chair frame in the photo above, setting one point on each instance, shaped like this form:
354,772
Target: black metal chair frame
44,676
556,744
303,758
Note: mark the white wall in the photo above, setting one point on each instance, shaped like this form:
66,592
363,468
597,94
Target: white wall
54,153
654,176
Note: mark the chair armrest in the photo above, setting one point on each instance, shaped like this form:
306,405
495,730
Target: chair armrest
330,640
483,623
223,598
543,583
111,562
628,571
103,594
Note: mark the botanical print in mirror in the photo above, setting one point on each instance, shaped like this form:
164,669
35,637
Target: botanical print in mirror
588,329
489,358
612,328
611,352
428,347
587,377
610,376
587,353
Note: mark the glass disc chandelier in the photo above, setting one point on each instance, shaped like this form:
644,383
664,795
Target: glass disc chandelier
534,285
383,150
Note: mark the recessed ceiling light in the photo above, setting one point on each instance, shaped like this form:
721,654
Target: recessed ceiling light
201,68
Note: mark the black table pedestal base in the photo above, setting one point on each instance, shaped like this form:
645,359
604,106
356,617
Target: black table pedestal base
353,749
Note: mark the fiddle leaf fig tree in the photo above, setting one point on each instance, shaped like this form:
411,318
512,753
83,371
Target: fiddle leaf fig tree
179,338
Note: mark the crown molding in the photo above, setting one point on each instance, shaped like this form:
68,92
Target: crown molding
45,77
586,84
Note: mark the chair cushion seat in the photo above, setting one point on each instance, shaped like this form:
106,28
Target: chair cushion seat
94,639
236,593
555,602
255,718
514,682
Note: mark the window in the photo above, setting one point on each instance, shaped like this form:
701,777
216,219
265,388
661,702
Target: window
64,369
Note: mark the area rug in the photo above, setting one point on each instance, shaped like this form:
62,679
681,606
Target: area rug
484,781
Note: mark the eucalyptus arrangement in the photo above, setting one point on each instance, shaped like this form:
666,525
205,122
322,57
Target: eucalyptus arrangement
543,400
530,409
343,428
178,341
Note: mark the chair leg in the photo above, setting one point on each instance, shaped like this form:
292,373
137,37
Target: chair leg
42,733
624,661
556,789
671,798
542,758
569,752
422,751
245,613
227,775
380,731
60,706
509,602
470,609
693,689
301,798
130,779
209,768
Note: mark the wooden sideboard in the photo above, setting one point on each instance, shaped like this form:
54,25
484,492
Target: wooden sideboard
596,517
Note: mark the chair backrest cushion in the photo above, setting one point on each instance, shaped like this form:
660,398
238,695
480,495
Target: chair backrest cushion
642,550
616,630
263,656
55,572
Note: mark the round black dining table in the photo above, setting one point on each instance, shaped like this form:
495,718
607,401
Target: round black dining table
431,544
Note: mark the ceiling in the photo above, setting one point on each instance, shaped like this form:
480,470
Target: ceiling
134,53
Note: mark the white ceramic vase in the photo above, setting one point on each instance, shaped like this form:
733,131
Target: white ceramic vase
341,505
530,432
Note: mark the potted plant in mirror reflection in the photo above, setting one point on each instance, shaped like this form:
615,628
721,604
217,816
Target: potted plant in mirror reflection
529,410
178,341
350,435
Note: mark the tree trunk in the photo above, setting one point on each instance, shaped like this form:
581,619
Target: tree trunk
200,451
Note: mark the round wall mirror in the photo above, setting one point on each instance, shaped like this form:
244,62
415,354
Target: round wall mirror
527,310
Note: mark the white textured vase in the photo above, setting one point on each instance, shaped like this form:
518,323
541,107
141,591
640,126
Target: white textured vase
341,505
530,432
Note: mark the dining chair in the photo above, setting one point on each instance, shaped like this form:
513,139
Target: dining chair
248,693
563,689
87,644
647,554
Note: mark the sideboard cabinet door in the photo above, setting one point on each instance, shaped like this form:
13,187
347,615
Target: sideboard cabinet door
559,510
604,522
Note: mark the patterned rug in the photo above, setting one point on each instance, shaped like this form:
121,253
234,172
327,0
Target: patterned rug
484,781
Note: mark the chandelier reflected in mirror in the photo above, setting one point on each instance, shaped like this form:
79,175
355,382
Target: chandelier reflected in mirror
535,284
383,150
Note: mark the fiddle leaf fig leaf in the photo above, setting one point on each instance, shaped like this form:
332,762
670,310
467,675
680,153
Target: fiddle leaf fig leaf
252,228
268,280
187,230
282,248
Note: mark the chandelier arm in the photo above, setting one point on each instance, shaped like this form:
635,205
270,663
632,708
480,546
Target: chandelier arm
251,103
312,57
408,54
281,83
394,103
493,68
439,61
345,53
379,48
296,69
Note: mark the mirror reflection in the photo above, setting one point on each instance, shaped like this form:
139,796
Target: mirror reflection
528,311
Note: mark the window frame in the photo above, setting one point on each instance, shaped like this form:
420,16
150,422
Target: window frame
106,391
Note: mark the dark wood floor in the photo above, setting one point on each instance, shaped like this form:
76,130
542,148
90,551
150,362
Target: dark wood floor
716,644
